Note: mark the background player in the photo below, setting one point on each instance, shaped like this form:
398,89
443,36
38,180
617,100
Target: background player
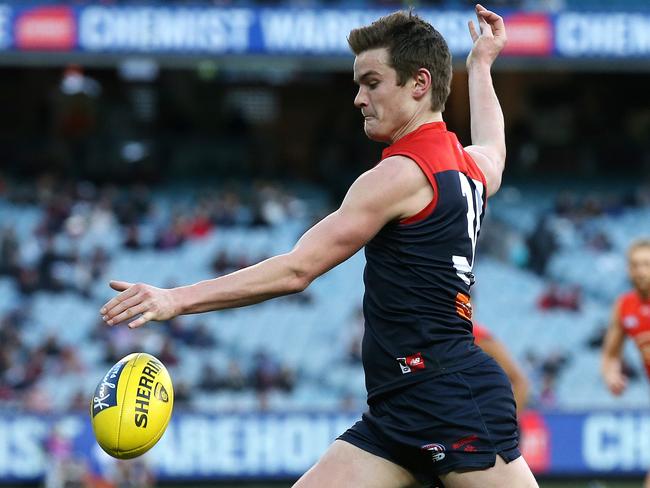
495,348
400,105
631,318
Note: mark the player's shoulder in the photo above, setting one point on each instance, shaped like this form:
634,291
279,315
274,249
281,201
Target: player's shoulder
400,169
628,297
626,303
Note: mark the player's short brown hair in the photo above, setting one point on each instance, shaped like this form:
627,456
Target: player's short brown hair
412,44
638,244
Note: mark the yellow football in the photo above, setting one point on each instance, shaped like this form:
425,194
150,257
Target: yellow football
132,406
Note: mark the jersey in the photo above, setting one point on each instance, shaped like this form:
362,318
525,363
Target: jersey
418,271
634,317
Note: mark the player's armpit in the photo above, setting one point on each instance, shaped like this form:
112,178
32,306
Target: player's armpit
491,164
393,189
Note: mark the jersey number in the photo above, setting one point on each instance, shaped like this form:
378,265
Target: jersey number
474,198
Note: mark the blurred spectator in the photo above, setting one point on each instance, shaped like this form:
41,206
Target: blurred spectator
9,252
182,394
201,337
354,345
132,239
133,473
48,275
69,361
210,379
560,297
265,372
65,470
168,354
172,236
235,378
200,224
541,246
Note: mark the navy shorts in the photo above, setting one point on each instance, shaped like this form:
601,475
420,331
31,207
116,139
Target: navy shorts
452,422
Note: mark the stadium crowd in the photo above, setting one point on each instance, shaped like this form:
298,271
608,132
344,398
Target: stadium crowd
47,260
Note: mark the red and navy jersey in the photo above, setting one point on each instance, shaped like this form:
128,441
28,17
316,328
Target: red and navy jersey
634,317
419,271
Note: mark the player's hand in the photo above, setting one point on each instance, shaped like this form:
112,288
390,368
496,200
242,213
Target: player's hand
491,39
616,382
139,300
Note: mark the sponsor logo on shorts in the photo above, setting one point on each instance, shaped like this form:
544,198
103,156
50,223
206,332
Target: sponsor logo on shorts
437,451
410,363
466,443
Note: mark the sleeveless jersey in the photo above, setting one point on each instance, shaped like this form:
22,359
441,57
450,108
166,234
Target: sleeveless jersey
634,317
419,271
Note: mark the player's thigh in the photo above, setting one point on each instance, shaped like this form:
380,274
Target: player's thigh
515,474
347,466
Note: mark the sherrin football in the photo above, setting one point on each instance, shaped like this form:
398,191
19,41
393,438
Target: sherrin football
132,406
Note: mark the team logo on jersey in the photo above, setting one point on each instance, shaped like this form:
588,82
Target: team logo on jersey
410,363
630,322
437,451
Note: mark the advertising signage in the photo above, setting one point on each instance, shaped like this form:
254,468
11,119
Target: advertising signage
309,32
284,445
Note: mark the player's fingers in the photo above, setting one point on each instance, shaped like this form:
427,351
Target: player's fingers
486,29
119,285
121,307
128,293
140,321
472,30
128,314
494,20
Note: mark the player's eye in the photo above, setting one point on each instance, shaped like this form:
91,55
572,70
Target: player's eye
373,84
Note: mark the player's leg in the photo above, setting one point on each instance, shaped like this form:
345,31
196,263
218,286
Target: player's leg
348,466
515,474
647,480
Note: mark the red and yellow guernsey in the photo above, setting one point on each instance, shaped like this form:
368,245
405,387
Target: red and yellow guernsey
634,318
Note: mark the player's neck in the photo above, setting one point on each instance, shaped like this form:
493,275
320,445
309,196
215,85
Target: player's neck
644,295
418,120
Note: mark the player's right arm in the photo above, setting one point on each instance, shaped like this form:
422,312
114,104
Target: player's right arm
611,361
488,147
394,189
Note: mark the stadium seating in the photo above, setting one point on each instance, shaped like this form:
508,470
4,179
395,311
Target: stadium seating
311,335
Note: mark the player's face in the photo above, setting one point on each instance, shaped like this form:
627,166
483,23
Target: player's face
386,107
639,267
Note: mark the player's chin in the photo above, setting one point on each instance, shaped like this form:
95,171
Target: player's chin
373,132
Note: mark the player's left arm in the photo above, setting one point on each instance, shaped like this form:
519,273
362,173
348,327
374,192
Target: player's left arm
488,147
380,195
611,366
520,384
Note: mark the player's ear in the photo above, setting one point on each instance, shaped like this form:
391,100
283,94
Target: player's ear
422,83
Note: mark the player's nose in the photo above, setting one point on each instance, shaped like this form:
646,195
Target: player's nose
360,100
